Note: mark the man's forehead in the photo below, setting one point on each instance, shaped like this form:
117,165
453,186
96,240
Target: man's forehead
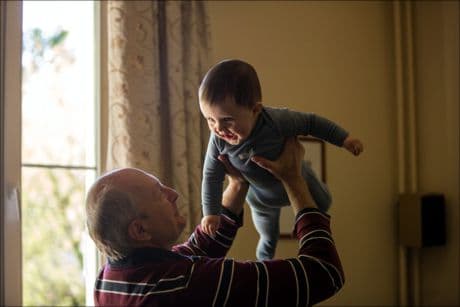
129,175
150,175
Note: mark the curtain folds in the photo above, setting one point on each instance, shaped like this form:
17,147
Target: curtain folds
157,54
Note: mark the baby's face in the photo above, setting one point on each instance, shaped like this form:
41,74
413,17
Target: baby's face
230,122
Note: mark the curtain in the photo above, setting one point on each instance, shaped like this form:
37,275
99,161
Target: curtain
157,55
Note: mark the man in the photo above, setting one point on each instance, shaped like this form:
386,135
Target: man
133,219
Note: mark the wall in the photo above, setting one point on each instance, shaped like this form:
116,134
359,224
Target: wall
436,28
337,59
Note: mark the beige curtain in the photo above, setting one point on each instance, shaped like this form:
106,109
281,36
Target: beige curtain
157,55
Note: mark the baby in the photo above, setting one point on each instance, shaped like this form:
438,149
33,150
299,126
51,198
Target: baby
241,127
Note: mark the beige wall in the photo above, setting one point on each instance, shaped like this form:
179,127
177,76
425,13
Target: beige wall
337,59
437,94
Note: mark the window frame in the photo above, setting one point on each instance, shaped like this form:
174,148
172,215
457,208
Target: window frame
10,158
10,147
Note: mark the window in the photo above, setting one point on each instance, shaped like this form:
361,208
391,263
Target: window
59,145
10,102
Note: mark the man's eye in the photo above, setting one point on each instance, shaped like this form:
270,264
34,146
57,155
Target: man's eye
228,119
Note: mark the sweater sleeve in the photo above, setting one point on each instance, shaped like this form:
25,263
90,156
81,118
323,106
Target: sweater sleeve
293,123
313,276
201,244
213,180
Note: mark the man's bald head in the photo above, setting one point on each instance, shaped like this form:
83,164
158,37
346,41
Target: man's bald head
111,205
129,208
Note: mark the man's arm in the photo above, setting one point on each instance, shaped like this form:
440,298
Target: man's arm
235,194
314,275
200,243
217,246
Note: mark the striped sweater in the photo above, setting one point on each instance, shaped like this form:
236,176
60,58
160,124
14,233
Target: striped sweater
196,273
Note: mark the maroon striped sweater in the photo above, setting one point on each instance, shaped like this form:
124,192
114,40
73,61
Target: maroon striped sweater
196,273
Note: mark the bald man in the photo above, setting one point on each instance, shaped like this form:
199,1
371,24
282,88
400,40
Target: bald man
133,219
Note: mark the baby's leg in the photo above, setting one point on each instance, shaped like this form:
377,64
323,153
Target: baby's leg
266,221
318,189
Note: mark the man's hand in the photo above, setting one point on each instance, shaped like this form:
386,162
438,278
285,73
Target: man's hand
232,172
353,145
235,192
288,164
288,169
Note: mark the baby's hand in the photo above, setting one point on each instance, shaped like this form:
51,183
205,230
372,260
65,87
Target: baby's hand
210,224
353,145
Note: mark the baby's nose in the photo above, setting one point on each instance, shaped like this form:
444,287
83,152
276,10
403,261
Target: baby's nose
220,126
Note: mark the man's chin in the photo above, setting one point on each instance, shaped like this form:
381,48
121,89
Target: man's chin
181,223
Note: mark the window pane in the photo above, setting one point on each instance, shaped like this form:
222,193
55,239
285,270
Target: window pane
58,128
58,82
53,229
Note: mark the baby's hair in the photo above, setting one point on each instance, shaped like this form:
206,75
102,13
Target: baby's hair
231,79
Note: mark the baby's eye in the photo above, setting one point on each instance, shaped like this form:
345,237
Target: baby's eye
228,119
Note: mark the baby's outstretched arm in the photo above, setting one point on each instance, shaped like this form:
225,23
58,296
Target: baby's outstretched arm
353,145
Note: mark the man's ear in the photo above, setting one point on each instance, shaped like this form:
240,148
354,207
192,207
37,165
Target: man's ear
137,232
257,108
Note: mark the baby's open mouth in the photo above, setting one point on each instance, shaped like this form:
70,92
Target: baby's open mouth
228,136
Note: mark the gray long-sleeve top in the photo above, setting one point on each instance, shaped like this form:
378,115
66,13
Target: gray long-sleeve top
267,139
